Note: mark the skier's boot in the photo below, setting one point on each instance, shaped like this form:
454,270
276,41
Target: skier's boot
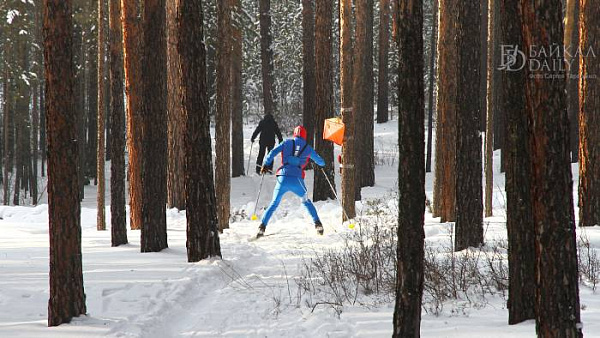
261,231
319,227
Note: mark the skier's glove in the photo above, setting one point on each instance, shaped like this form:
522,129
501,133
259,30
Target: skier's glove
263,170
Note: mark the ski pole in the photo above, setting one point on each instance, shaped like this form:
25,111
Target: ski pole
351,225
254,217
249,157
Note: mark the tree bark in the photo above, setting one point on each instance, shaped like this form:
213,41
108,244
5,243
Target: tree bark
266,56
445,164
432,78
411,171
308,69
557,289
519,218
118,218
589,121
348,150
92,88
363,93
67,297
154,121
223,117
237,104
101,218
469,200
324,96
175,132
491,103
202,224
572,42
132,36
384,48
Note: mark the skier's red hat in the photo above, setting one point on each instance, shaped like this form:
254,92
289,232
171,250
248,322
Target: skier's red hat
299,131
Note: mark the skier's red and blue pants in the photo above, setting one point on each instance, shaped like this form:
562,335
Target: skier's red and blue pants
290,177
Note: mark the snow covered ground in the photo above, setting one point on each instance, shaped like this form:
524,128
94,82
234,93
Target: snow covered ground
249,293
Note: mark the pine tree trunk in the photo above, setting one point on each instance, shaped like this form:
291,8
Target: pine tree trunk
237,104
266,56
176,156
308,69
101,218
67,297
43,133
79,64
469,200
154,121
483,84
324,96
92,127
491,104
411,171
132,38
366,174
589,120
384,48
35,123
118,218
223,118
557,289
519,218
7,133
202,223
21,115
432,78
348,149
572,64
445,164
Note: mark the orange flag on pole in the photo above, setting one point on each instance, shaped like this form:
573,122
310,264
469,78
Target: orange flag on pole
333,130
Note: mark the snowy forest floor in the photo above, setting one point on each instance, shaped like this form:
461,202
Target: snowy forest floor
252,291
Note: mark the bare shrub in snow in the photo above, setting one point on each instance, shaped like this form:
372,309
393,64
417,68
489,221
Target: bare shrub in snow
363,270
589,261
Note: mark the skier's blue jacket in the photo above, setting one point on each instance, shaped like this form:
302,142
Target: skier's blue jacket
295,154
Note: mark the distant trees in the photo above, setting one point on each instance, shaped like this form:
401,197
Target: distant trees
411,171
67,297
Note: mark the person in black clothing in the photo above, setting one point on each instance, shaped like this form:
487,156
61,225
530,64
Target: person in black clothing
267,128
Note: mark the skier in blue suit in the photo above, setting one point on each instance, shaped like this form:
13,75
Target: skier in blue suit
295,154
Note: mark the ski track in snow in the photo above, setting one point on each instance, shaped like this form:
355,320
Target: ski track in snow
251,292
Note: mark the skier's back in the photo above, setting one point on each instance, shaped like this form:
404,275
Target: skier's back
295,154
